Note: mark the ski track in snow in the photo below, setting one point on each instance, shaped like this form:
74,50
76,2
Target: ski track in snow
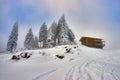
70,73
85,73
44,74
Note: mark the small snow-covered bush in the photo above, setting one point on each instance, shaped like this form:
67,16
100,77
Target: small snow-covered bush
68,50
25,55
60,56
15,57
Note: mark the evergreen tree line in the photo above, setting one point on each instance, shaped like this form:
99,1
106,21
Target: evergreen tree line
57,34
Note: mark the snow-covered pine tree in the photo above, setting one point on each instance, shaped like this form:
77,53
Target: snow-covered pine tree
62,31
12,42
71,36
29,40
58,31
36,41
51,39
43,36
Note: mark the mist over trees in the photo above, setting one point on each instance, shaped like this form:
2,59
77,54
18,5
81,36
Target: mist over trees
64,36
57,34
43,36
29,40
12,41
52,35
60,34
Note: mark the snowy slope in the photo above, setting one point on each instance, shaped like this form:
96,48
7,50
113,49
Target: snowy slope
81,63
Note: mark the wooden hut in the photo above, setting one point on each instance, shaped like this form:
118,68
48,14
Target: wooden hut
92,42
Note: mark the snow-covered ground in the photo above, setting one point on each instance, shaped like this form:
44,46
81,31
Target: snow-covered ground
81,63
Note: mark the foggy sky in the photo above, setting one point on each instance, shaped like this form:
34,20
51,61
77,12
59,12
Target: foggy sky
94,18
